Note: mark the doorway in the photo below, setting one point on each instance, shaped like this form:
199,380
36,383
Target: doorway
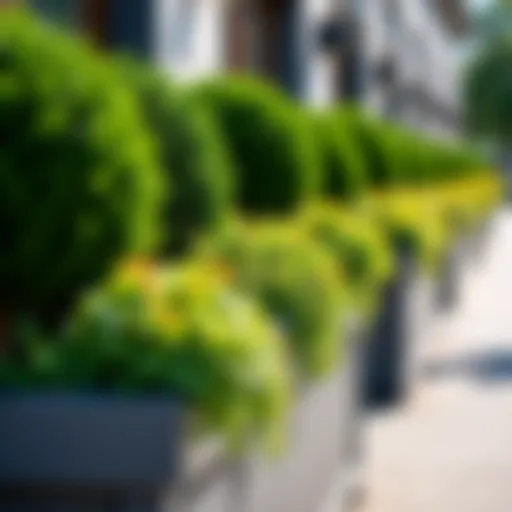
262,39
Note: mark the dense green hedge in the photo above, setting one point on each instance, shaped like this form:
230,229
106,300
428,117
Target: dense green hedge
343,173
179,330
271,142
395,156
361,248
194,156
375,142
296,280
79,185
406,155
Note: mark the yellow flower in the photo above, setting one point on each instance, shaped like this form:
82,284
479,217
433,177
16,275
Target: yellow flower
136,273
171,323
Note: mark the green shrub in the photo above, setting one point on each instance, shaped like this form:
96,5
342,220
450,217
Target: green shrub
413,222
396,156
178,331
297,281
406,153
271,143
426,161
79,185
374,141
362,250
342,170
192,153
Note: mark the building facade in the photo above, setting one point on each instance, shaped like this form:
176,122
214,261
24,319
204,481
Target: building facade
413,63
399,57
196,38
273,38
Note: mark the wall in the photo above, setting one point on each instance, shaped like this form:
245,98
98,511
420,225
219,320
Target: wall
188,39
426,54
318,86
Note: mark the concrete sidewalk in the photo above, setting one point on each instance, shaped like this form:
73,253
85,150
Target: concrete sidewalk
450,449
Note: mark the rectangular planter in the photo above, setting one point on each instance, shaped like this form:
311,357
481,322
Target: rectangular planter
392,345
72,452
450,278
209,480
480,240
464,257
324,452
354,455
61,453
424,310
460,265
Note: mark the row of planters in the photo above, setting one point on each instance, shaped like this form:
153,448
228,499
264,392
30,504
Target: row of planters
200,286
439,236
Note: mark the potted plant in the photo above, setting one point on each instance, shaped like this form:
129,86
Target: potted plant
405,314
298,281
197,170
101,415
366,264
80,186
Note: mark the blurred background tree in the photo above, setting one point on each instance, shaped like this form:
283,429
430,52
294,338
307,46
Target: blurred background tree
488,87
489,90
494,19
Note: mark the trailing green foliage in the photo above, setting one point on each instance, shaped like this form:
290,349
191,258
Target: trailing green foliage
396,157
363,253
271,143
79,186
414,224
194,156
409,164
179,331
374,141
90,148
297,281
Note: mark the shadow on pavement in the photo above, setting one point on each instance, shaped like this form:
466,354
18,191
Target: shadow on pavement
491,366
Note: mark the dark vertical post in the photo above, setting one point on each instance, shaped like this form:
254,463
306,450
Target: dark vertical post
390,346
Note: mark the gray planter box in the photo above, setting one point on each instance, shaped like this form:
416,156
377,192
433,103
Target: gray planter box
481,240
322,462
63,453
354,455
451,278
324,458
460,264
209,480
71,453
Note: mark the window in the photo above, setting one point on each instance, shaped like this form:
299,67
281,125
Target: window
392,14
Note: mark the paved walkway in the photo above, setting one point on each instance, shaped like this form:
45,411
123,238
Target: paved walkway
450,449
